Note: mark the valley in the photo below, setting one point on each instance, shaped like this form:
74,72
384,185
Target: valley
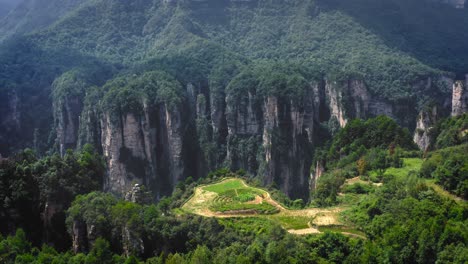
233,131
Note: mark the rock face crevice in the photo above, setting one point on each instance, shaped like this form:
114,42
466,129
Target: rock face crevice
425,122
146,148
271,136
67,113
460,97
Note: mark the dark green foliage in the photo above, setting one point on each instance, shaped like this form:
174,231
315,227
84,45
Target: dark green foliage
274,48
101,253
284,80
407,222
375,144
128,94
380,132
451,132
357,188
404,221
12,246
449,167
328,187
28,184
400,25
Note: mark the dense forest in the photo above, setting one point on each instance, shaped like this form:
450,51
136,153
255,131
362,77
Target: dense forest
338,128
405,220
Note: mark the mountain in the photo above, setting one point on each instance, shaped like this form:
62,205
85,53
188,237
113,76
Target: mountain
30,15
171,89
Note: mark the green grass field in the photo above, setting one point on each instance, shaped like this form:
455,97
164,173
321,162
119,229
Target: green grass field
409,165
262,208
225,186
233,198
291,222
233,195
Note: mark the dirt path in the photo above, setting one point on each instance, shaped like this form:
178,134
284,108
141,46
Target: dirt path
200,201
358,180
305,231
443,192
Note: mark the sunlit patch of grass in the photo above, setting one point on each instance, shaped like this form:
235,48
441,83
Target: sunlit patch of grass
291,222
225,186
409,165
342,229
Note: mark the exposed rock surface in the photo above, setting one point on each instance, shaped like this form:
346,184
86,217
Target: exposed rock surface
316,174
460,97
426,120
67,113
79,237
266,135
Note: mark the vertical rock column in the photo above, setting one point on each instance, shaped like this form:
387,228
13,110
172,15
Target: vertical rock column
126,143
460,97
67,115
425,122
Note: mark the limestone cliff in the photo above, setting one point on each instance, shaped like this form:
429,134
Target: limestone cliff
67,113
269,136
315,174
460,97
425,122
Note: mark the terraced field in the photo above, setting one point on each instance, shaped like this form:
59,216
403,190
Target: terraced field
233,198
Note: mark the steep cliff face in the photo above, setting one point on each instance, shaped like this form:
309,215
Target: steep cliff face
288,142
145,148
351,99
460,97
272,137
315,174
67,113
425,122
268,135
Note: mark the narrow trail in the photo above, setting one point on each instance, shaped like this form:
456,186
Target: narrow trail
199,204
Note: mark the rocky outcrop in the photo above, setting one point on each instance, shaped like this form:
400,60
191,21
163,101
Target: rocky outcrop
335,102
67,113
145,148
267,135
316,174
10,119
127,146
460,97
132,244
79,237
425,122
287,143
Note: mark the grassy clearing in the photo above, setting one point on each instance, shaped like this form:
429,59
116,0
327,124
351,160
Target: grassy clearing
291,222
231,205
225,186
342,229
234,195
438,189
232,199
409,165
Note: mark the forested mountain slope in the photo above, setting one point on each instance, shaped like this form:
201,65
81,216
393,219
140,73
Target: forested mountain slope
168,89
